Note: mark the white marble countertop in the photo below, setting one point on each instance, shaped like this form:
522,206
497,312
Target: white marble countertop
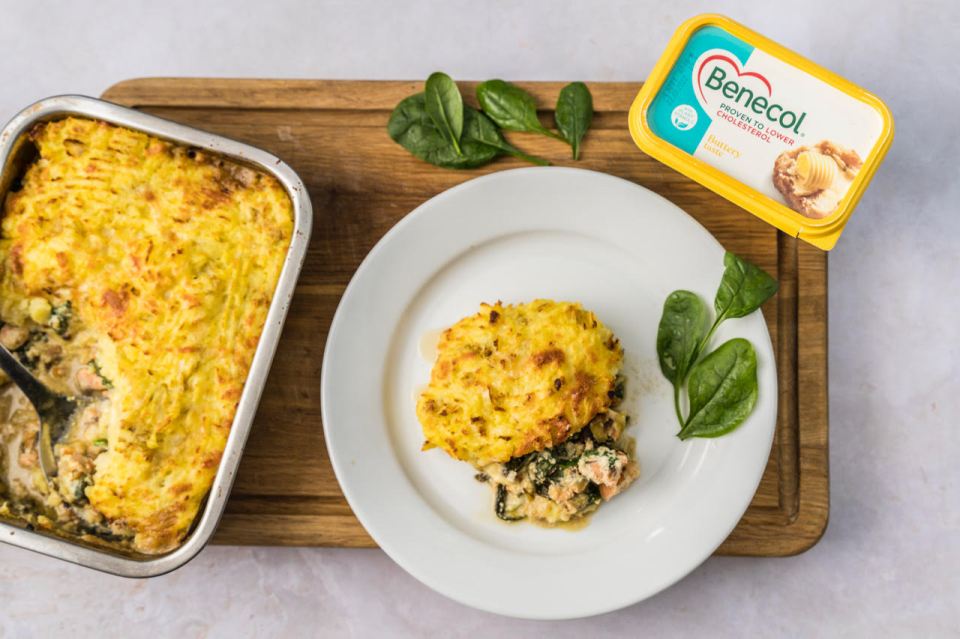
889,564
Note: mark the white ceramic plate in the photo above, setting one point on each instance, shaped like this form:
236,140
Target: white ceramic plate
564,234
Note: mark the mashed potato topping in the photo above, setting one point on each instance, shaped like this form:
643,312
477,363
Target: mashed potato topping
513,391
138,274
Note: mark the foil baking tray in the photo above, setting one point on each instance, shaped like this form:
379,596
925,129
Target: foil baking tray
15,152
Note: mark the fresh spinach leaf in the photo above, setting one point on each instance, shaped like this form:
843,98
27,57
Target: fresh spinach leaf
478,128
574,114
722,390
438,128
683,326
511,107
743,288
411,126
481,141
445,107
722,387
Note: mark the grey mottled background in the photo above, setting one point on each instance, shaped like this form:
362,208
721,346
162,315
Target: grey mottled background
889,564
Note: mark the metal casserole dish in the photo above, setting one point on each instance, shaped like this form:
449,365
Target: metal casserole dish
15,153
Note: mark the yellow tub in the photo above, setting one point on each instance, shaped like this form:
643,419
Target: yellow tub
774,133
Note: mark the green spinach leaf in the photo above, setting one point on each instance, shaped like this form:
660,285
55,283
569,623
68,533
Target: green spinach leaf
478,128
412,127
743,288
481,141
722,390
445,107
511,107
574,114
722,387
437,127
683,326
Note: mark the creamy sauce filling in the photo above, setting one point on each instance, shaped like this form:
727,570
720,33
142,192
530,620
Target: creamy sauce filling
20,480
564,485
67,364
427,347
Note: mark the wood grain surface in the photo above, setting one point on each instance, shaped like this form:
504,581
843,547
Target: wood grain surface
333,135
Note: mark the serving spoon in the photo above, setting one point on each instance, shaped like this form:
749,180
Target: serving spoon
55,410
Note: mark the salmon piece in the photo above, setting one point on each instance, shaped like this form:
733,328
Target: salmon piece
88,380
13,337
630,472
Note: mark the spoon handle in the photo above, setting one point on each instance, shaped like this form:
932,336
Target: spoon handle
36,392
53,409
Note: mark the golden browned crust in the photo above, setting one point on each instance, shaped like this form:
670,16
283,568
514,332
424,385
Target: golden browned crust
169,258
511,380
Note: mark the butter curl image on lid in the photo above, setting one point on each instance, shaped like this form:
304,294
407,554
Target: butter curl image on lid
813,180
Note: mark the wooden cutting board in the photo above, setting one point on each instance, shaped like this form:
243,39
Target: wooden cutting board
333,135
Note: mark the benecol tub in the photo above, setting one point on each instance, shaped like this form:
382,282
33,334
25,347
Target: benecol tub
785,139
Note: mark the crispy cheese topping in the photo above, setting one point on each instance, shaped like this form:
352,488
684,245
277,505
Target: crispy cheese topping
170,258
515,379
